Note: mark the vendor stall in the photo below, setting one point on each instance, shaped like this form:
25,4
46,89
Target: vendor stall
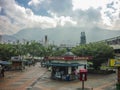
66,67
17,63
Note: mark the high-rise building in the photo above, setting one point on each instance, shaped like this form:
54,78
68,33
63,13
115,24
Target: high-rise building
82,38
46,39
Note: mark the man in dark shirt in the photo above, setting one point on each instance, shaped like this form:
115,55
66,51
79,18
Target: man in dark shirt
2,71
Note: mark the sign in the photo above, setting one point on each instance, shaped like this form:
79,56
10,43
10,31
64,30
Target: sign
69,58
114,62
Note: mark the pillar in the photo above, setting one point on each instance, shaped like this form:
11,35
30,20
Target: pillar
118,74
69,70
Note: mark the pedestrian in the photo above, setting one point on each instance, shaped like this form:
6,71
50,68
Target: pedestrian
76,74
2,71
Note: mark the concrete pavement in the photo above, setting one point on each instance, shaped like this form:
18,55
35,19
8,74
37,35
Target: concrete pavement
21,80
38,78
94,82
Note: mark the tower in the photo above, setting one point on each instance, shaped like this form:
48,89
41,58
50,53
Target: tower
82,38
46,40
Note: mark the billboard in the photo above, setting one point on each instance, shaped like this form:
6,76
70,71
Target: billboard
114,62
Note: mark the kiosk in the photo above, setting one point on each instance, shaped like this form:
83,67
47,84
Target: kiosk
66,67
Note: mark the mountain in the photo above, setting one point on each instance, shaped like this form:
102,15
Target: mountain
8,38
66,35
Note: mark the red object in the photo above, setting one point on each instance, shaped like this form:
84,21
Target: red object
68,58
83,75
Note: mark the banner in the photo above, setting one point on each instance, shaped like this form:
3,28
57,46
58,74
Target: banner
114,62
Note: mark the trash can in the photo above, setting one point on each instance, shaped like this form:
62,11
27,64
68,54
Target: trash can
118,86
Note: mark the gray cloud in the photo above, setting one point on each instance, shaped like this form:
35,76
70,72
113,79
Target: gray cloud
53,14
56,6
91,17
20,17
112,11
61,6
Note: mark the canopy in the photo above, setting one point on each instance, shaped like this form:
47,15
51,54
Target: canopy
64,64
68,54
4,62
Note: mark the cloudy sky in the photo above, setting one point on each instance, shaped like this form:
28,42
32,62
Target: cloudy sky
16,15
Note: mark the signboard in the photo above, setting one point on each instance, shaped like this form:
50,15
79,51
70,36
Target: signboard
69,58
114,62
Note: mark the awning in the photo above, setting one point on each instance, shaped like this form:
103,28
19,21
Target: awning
64,64
5,62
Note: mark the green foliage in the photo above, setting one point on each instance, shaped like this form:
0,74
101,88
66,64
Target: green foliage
9,50
59,52
6,51
33,48
99,51
53,50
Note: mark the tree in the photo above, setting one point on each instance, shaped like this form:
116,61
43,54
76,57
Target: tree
34,48
100,52
59,51
6,51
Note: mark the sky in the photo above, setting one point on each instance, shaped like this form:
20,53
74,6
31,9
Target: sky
16,15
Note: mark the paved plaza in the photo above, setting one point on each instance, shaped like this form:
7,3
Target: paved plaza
21,80
38,78
94,82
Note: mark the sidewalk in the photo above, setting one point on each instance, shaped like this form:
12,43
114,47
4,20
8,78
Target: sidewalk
21,80
108,86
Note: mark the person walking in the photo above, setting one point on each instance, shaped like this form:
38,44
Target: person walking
2,71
